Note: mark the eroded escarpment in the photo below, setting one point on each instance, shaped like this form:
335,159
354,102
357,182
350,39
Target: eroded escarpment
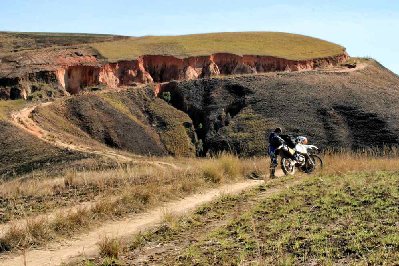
80,71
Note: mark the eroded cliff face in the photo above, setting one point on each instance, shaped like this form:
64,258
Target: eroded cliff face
124,73
73,75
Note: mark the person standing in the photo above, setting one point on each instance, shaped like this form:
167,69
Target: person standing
274,142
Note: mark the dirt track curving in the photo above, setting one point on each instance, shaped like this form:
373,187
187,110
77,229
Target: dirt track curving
23,119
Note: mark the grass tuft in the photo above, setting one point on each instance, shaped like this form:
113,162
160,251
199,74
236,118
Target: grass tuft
110,247
213,173
225,166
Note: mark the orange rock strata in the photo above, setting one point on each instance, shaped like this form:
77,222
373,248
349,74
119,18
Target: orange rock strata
75,74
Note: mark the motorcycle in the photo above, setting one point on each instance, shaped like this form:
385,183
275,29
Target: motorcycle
300,156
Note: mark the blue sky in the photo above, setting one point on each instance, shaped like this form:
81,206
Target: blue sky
365,28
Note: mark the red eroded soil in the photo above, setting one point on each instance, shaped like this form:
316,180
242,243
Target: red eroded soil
75,69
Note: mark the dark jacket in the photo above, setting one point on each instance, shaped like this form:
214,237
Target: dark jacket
275,140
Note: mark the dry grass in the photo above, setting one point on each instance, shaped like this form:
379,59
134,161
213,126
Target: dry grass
110,247
35,232
123,191
18,41
223,166
283,45
366,161
324,219
133,189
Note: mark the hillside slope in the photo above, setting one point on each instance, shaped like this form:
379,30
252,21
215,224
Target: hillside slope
133,120
336,109
22,153
96,130
351,109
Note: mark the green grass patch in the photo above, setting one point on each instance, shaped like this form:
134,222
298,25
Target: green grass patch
283,45
329,220
115,101
174,128
252,140
6,107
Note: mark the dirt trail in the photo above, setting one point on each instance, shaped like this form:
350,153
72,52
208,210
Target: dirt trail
87,244
359,66
23,119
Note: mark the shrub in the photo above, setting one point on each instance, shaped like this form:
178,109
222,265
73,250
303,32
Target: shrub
166,96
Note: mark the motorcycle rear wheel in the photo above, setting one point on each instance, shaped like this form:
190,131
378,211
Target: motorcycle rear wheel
288,166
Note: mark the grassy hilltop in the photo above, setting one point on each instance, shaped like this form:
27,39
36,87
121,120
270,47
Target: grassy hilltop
278,44
283,45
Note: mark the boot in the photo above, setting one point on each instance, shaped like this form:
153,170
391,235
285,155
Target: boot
272,172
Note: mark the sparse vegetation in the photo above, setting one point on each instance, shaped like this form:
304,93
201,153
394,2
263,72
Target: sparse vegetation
43,91
166,96
19,41
251,141
174,127
314,104
20,153
133,120
326,220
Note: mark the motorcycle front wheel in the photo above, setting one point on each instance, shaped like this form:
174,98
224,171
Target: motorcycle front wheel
288,166
314,163
318,162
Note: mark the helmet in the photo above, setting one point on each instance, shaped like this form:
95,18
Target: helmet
278,130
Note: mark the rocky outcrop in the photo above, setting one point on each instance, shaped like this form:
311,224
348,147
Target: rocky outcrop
79,71
21,87
10,88
124,73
